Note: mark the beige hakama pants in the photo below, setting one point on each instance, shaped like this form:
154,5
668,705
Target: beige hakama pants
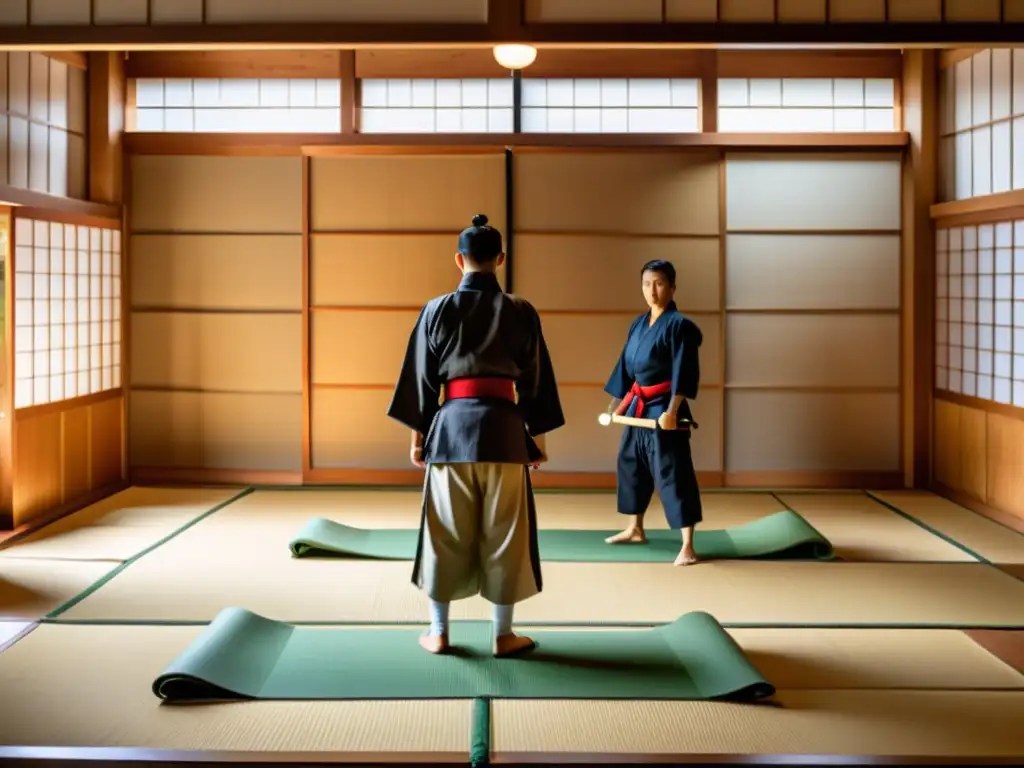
478,534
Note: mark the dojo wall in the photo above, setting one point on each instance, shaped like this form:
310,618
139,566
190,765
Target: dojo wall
585,225
813,318
788,262
215,268
382,243
790,265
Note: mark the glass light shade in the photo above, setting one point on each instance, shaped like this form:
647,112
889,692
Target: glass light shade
514,56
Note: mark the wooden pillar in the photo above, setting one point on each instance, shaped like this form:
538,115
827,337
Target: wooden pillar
106,126
7,373
919,107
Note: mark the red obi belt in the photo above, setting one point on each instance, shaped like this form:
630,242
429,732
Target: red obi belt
493,389
642,395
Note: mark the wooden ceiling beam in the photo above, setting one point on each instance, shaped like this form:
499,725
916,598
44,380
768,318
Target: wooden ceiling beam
476,62
505,29
265,65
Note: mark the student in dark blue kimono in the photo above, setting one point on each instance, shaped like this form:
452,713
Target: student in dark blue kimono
656,375
483,352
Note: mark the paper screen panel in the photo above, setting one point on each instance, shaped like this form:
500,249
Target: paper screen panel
982,119
813,272
812,192
768,350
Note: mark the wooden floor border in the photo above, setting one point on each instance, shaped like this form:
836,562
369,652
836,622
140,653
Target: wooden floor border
542,479
102,757
995,515
53,515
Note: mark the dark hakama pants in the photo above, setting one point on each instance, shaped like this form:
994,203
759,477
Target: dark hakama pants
659,459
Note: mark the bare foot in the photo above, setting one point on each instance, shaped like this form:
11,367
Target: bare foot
686,557
628,536
434,643
510,644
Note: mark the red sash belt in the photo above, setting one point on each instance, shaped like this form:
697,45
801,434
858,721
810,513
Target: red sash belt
642,395
497,389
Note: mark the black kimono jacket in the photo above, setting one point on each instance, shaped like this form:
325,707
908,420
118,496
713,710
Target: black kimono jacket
477,332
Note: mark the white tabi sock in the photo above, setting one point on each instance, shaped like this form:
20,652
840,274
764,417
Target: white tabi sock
438,618
503,620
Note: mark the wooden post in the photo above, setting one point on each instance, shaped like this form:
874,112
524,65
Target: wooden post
107,93
919,108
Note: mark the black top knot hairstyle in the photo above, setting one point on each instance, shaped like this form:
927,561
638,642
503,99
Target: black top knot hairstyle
480,242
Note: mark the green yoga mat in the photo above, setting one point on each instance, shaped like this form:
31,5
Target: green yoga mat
241,655
783,535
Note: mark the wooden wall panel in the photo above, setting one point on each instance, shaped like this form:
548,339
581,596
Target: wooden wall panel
66,454
978,451
383,236
359,348
622,193
216,312
836,351
607,11
351,11
350,431
414,268
813,336
915,10
236,272
215,430
746,11
579,272
805,433
412,193
585,225
140,12
763,11
223,352
42,124
802,11
216,195
857,10
120,11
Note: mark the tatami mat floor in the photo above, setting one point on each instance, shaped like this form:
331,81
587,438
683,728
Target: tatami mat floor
869,655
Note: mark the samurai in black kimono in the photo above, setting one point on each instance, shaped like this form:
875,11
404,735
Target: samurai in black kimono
656,375
478,391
